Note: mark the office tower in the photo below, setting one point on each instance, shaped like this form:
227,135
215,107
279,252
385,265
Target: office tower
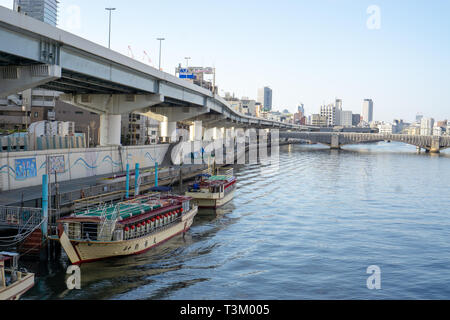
346,118
318,120
338,104
43,10
426,126
301,108
265,98
356,119
367,110
330,112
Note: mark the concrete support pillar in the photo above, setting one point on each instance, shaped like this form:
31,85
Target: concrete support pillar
196,131
168,131
110,128
210,134
335,142
215,134
435,144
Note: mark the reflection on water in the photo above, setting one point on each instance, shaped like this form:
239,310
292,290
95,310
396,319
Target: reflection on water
306,228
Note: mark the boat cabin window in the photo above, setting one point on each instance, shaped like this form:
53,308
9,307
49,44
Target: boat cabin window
185,206
90,230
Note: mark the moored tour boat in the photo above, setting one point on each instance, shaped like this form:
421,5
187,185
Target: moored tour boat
213,191
127,228
13,283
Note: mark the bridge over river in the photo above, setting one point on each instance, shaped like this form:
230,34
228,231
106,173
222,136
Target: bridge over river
337,139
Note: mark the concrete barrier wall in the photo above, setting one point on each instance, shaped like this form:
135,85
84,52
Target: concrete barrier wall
25,169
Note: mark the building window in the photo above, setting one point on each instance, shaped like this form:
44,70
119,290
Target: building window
36,114
79,112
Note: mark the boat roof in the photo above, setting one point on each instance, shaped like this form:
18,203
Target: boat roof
128,209
218,178
4,255
122,210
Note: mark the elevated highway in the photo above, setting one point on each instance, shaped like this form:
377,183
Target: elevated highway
33,53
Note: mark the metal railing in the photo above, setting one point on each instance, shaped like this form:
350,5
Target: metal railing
20,218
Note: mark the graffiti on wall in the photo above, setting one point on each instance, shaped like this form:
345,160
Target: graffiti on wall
25,168
56,164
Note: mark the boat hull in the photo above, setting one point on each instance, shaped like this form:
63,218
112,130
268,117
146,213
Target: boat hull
207,202
83,252
17,289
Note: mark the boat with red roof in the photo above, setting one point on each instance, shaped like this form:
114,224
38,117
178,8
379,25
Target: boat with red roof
127,228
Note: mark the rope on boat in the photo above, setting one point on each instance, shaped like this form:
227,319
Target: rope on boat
19,237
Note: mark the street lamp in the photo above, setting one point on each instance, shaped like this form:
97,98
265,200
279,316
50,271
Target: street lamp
160,41
109,40
187,61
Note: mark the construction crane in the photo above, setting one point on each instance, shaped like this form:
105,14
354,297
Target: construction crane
148,58
130,52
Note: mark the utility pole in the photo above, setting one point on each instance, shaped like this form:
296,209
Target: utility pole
160,41
187,61
109,39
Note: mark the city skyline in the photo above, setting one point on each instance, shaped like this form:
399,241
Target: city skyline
305,54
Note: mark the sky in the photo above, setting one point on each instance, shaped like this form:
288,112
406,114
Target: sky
395,52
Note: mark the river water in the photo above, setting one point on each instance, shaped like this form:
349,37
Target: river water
306,227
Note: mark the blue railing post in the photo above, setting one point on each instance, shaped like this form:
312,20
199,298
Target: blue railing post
127,182
156,174
136,180
44,205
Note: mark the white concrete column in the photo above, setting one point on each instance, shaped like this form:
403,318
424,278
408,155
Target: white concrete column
110,129
168,131
210,134
172,130
196,131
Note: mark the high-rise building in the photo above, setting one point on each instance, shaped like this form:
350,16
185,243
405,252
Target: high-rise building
265,97
138,129
426,126
318,120
356,119
248,106
301,108
367,110
338,104
329,112
43,10
346,118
